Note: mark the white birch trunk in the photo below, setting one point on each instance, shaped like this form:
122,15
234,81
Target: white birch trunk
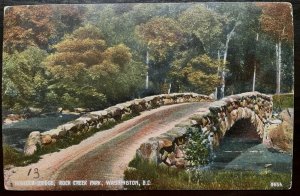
169,90
222,90
216,90
254,77
254,71
224,60
147,76
222,93
276,63
278,66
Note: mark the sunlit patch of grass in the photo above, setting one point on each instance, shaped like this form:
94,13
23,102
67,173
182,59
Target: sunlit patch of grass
13,157
163,178
10,155
282,101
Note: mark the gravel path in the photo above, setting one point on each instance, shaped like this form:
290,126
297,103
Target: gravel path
105,155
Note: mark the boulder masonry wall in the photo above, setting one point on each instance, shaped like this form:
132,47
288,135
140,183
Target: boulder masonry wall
114,114
168,148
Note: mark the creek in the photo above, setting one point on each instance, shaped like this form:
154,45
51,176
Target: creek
242,149
15,134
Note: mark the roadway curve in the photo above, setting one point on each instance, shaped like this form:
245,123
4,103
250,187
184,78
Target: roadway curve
105,155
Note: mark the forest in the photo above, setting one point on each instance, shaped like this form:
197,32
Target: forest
95,56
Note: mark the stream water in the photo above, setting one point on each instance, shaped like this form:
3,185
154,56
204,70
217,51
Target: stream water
239,154
15,134
242,149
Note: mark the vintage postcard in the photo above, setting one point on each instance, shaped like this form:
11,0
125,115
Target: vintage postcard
143,96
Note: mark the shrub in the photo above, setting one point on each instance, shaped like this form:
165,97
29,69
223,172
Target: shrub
10,155
13,157
197,148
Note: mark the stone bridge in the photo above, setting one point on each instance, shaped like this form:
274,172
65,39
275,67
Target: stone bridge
167,148
213,123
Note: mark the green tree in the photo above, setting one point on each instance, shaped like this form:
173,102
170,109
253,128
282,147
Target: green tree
205,24
119,22
199,75
160,35
244,60
66,19
24,82
70,65
86,72
27,26
276,20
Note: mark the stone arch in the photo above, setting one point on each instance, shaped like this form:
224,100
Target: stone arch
228,121
214,122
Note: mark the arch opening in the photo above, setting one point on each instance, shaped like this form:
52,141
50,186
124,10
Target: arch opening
240,137
243,130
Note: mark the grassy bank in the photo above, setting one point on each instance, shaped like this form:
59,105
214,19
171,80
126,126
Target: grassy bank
12,157
282,101
168,178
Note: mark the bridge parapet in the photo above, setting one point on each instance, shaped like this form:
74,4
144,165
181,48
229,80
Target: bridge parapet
98,119
213,122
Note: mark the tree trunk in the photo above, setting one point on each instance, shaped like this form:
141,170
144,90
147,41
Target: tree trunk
170,86
254,77
224,60
222,91
278,66
216,91
147,76
254,71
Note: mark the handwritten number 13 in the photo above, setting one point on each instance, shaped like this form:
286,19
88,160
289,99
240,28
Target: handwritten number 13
35,172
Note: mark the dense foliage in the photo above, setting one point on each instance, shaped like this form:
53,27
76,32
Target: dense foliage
88,73
94,56
283,101
197,148
24,82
